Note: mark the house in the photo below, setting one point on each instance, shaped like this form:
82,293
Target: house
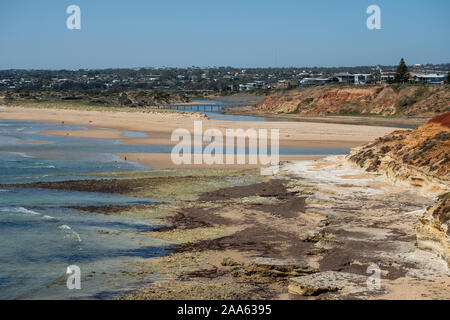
362,78
259,83
387,77
285,84
432,78
345,77
358,78
250,86
313,81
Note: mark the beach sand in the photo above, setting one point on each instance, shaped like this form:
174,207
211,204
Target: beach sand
159,126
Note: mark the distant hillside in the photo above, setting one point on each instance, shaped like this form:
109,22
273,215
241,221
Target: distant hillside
408,100
112,98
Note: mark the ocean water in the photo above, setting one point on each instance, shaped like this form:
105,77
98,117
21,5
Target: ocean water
218,113
40,235
24,160
39,240
62,158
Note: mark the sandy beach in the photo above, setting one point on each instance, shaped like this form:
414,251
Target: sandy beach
159,126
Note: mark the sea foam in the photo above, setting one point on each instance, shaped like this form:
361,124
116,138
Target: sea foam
73,232
24,210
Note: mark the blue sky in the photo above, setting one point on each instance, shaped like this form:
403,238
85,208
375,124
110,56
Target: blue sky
240,33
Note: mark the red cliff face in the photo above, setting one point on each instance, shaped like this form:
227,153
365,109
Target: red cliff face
443,120
421,101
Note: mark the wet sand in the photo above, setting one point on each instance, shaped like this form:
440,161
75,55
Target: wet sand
161,160
159,126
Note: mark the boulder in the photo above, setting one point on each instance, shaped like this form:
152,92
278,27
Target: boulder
327,282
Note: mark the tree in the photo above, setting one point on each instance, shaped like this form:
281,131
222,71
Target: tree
447,79
402,74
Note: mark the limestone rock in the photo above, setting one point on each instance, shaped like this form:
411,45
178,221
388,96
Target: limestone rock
270,267
311,236
434,231
327,282
328,244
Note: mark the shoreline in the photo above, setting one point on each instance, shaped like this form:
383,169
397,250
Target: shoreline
159,126
163,161
249,237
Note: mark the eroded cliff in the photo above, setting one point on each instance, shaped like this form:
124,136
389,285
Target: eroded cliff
434,231
419,158
418,101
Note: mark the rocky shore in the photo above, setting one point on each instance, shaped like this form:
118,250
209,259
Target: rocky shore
434,231
419,159
311,232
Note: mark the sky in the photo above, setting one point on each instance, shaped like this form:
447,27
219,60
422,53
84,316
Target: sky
238,33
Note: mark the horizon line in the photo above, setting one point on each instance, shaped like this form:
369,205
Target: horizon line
216,67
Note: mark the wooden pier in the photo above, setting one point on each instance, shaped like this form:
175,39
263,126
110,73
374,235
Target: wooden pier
194,107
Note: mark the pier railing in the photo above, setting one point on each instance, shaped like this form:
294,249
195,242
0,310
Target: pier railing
194,107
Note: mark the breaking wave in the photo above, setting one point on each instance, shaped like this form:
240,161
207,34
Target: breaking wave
21,210
69,229
27,212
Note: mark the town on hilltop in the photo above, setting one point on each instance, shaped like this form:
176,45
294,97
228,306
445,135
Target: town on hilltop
225,80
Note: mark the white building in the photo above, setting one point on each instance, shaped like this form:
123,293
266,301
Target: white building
387,77
313,81
432,78
357,78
